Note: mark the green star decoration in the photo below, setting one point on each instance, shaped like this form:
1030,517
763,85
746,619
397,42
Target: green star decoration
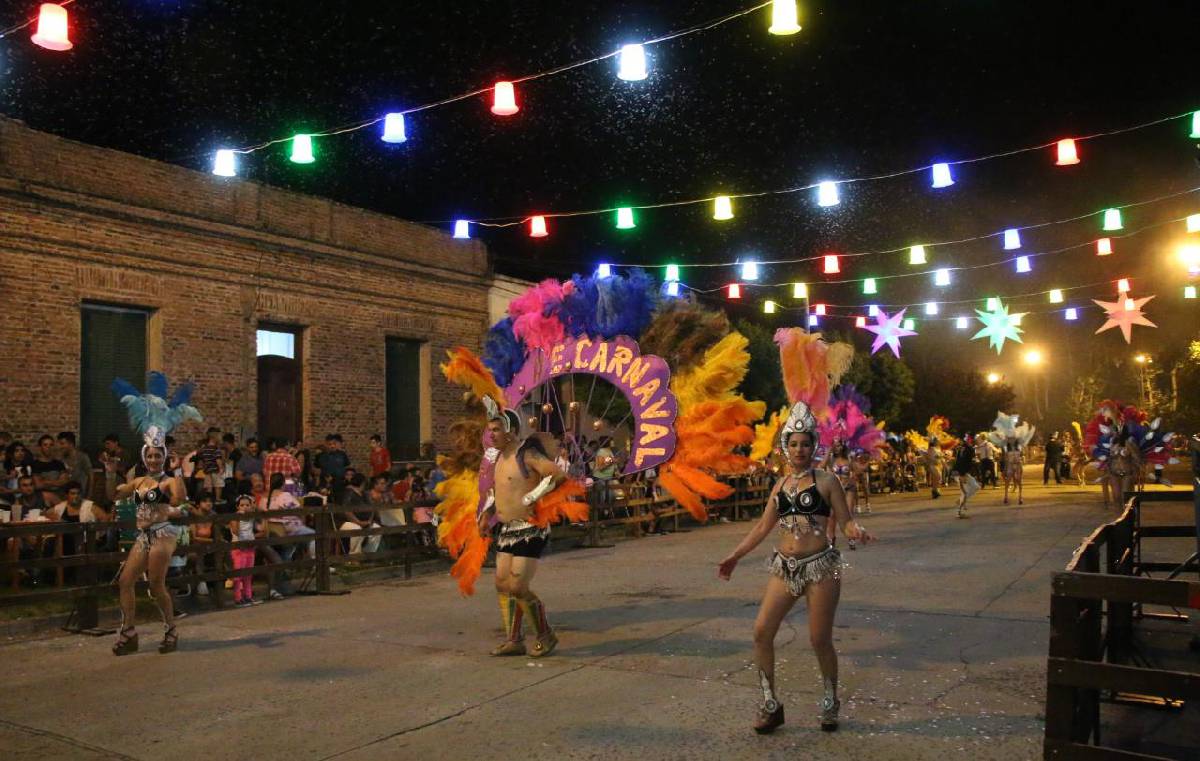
999,326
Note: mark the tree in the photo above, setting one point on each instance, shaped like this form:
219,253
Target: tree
1085,395
764,379
885,380
963,396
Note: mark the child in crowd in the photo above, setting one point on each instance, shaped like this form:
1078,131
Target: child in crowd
202,533
381,459
243,557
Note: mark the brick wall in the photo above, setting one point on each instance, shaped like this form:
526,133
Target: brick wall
213,258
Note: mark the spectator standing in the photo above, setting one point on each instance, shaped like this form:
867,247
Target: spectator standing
985,450
358,516
279,460
210,459
248,464
1054,453
381,458
49,472
243,530
112,460
334,461
79,465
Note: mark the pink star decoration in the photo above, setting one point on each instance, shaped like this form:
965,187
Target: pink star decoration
1124,313
889,331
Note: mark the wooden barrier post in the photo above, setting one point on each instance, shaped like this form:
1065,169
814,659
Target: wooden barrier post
87,606
324,521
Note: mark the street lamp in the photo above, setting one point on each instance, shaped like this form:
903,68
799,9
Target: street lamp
993,378
1033,357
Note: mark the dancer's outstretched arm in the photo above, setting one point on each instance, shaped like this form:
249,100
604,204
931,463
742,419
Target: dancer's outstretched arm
760,531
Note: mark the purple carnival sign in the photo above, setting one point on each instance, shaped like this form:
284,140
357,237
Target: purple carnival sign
644,380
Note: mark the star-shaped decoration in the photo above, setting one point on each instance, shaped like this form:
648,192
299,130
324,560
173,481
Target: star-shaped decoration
999,326
889,330
1124,313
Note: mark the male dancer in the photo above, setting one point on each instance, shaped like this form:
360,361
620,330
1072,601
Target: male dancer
523,475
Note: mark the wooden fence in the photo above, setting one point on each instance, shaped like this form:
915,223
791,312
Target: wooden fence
1093,608
83,576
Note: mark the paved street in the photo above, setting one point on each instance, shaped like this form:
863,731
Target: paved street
941,632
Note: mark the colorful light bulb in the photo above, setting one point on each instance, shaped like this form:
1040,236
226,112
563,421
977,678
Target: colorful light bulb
860,322
625,218
672,272
673,288
799,290
52,28
831,264
1112,220
768,307
872,310
722,208
827,194
1012,239
941,176
941,277
1056,296
393,129
869,286
1195,124
1193,222
962,323
813,321
735,291
916,255
820,309
910,324
1104,247
225,163
1071,314
993,303
784,17
604,270
750,271
504,99
931,307
462,229
1189,291
1123,285
1023,264
537,227
631,63
1067,154
302,149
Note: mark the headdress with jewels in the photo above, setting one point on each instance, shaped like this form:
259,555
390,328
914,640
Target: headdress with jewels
152,414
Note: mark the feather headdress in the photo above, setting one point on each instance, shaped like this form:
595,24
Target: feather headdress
1007,428
151,414
811,367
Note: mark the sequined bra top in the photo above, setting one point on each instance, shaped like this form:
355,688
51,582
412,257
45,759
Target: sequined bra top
798,512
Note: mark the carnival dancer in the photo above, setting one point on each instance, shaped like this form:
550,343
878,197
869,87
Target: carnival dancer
933,466
524,473
803,564
1012,439
158,498
1123,465
964,463
840,464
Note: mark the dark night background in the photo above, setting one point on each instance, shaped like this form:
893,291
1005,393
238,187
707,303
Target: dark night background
867,87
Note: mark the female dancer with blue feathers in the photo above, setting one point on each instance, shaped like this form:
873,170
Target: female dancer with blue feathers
158,497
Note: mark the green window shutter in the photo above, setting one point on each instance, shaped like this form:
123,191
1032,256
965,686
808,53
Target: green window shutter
404,398
113,345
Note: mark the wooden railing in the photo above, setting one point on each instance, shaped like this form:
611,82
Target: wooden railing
85,575
1093,609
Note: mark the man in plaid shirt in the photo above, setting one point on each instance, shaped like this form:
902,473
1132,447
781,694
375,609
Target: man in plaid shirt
279,460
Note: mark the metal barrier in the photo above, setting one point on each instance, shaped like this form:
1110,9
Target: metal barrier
1094,605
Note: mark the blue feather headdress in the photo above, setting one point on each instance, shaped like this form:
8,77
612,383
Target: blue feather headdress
151,414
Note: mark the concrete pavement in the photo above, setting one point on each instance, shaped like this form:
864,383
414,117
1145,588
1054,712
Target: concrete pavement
942,635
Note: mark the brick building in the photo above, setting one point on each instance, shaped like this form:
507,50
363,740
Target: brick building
294,315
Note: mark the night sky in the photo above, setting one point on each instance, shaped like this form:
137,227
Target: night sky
866,88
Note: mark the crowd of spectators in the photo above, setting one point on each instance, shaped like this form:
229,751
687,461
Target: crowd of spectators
56,482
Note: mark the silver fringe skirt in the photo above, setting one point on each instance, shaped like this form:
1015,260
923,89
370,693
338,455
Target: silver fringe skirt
798,573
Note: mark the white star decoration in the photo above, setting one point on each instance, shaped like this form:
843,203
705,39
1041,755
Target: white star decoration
999,326
889,330
1124,313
